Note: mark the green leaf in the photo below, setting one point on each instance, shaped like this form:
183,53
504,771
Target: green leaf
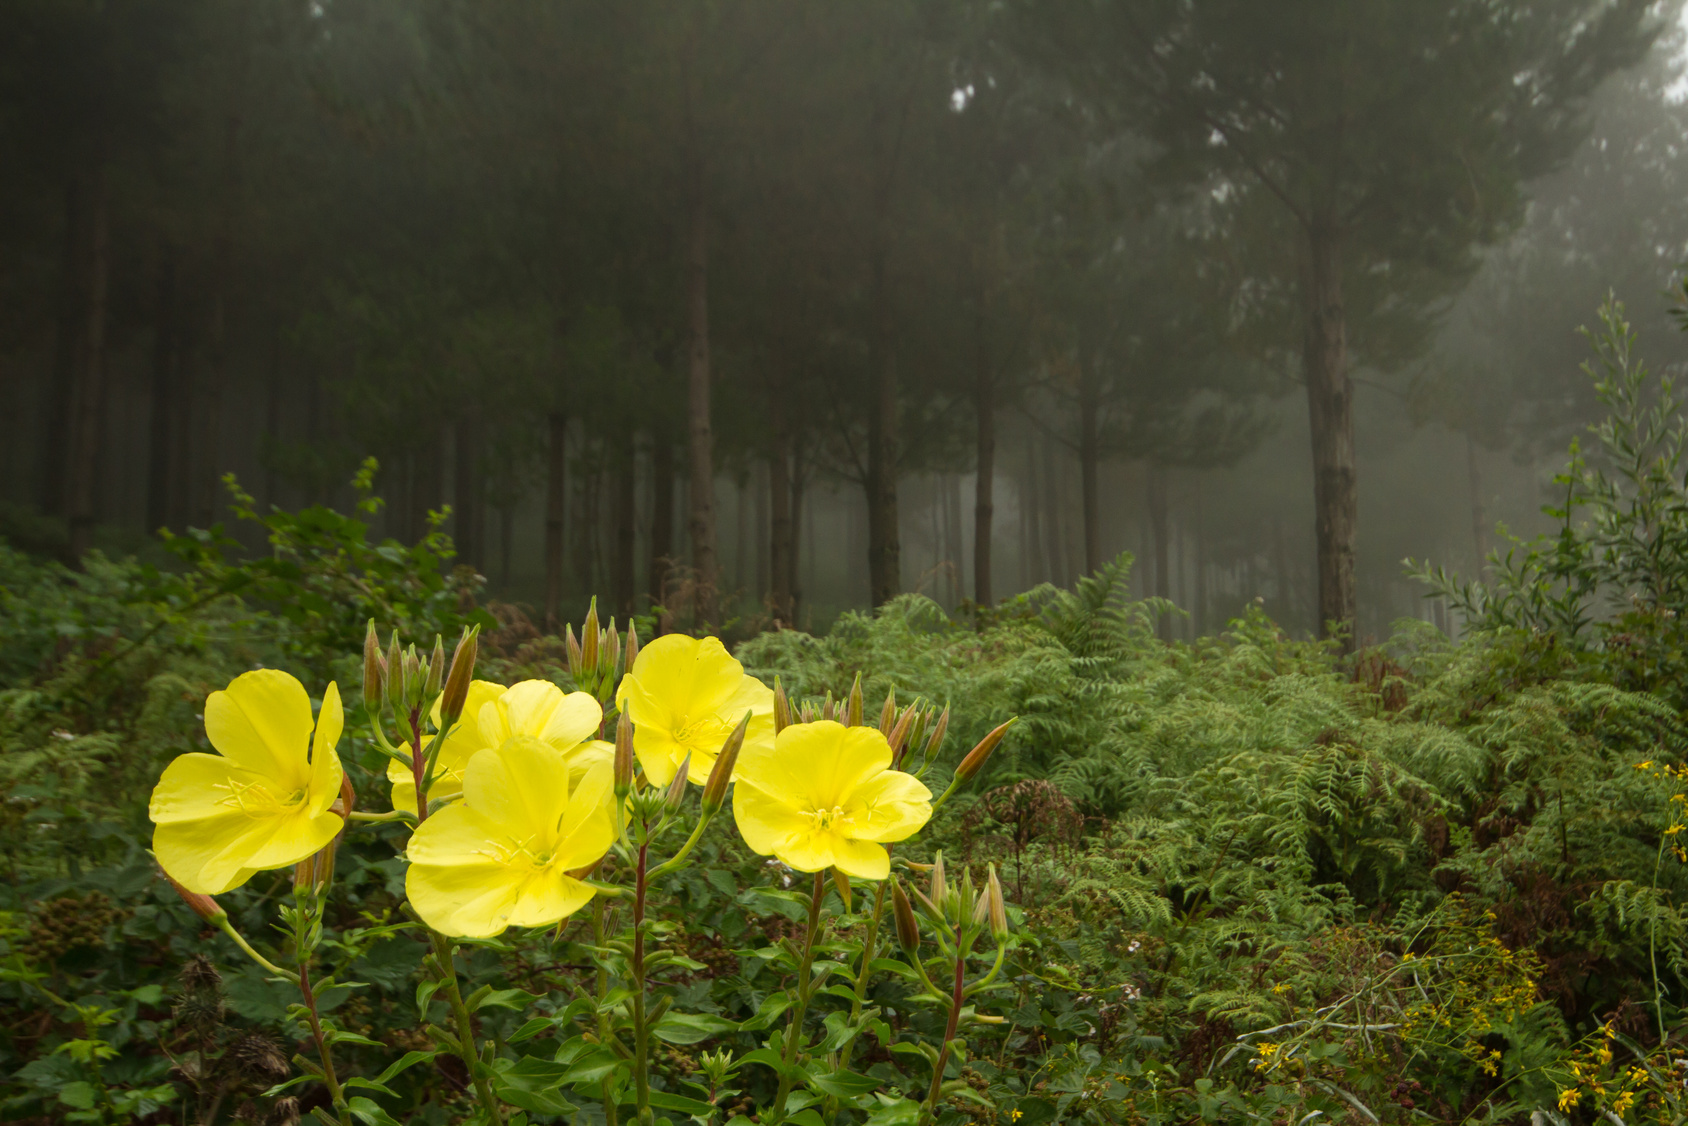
369,1112
408,1060
370,1084
532,1084
425,991
517,999
843,1084
531,1029
592,1065
341,1036
808,1117
900,1112
772,1006
80,1094
767,1057
689,1028
667,1101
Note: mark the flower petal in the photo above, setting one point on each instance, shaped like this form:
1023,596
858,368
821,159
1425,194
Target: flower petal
326,770
522,786
262,721
766,821
549,896
458,881
809,852
276,842
659,755
891,806
192,852
816,765
693,676
862,859
198,786
575,719
458,747
588,825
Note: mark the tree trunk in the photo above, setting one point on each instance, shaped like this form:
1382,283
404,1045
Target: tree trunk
782,529
799,482
741,532
1156,479
1059,572
67,364
427,481
1479,516
1089,452
1201,561
82,473
702,454
1330,411
984,440
1030,541
952,535
662,519
625,527
466,487
759,483
222,281
884,546
506,542
163,391
556,481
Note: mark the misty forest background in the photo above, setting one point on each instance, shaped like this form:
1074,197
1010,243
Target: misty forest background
540,259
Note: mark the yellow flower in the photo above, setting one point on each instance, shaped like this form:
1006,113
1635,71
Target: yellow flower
825,796
456,750
685,696
263,801
1569,1098
502,856
493,714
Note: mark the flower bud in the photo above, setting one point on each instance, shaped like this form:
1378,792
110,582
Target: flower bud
908,929
589,639
935,741
782,707
853,717
888,713
940,886
677,788
573,647
412,677
967,898
203,905
826,706
609,652
436,670
456,691
899,730
715,789
623,755
998,909
808,714
374,672
395,674
977,757
632,653
842,883
316,872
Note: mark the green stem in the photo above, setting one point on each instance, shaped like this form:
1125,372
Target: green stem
329,1079
240,941
870,949
1652,943
679,858
443,954
949,1034
383,818
604,1033
805,974
641,1037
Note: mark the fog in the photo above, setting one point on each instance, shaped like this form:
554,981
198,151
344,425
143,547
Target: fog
1274,297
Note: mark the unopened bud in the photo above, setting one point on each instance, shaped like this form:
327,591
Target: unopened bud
976,758
412,677
808,714
374,672
623,755
632,653
609,652
573,648
940,886
998,908
315,872
935,741
826,706
853,717
203,905
456,691
899,730
908,930
967,896
677,788
436,670
395,674
589,639
888,713
782,707
715,789
842,883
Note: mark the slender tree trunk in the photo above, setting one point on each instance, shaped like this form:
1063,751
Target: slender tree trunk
625,527
163,391
1479,516
506,542
82,474
1201,561
1330,410
741,532
427,481
1089,453
701,450
1031,563
222,282
1156,480
799,485
272,435
953,534
782,530
1053,531
556,483
984,440
884,545
662,519
759,484
466,487
67,363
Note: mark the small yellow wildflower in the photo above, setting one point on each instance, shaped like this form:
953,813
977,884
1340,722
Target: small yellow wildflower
1569,1097
824,796
263,800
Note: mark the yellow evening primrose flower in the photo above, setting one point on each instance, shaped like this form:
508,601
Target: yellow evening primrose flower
493,714
825,796
263,801
456,750
501,857
685,695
